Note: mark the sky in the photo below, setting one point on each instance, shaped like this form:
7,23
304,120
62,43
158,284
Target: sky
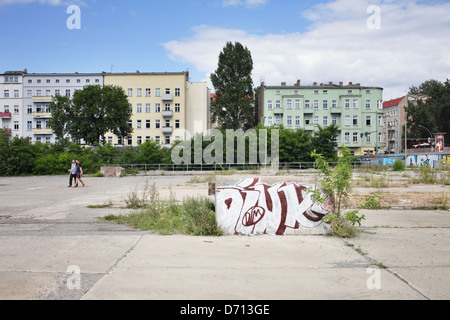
393,44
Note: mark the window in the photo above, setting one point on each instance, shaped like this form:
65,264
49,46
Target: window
306,103
347,103
325,121
148,124
278,104
277,120
177,107
177,92
88,81
167,139
29,93
316,121
334,120
29,125
157,92
139,140
368,92
289,121
29,109
334,104
355,103
325,104
157,124
297,103
68,93
368,104
167,91
289,103
57,92
148,138
67,80
269,105
325,91
38,81
368,121
316,104
347,120
347,137
48,93
307,120
38,124
278,92
167,107
157,107
57,80
355,136
158,139
110,140
16,109
139,92
16,93
130,92
297,121
130,140
177,124
369,137
97,80
148,92
139,108
78,80
16,125
167,123
139,124
355,120
148,108
269,121
6,93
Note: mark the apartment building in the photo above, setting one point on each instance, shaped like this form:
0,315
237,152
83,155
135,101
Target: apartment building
357,110
166,107
38,92
11,92
394,118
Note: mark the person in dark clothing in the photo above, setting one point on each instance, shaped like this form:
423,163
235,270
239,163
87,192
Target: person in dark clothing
72,173
78,173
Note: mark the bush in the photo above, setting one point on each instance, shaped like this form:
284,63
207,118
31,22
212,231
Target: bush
399,165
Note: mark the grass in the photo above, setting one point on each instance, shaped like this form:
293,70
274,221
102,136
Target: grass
194,216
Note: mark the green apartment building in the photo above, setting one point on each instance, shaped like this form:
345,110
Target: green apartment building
357,110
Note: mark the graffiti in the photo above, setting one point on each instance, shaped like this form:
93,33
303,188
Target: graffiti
253,207
432,160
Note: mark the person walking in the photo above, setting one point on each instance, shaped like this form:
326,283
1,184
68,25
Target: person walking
72,173
78,173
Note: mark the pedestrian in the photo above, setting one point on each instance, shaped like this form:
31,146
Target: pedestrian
72,173
79,173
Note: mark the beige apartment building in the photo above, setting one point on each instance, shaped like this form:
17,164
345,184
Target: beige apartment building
166,106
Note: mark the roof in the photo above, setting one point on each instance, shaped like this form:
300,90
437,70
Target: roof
392,103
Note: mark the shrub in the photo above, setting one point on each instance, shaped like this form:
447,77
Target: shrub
399,165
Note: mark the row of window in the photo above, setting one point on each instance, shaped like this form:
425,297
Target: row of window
148,92
148,107
325,120
140,140
297,104
66,80
148,124
296,92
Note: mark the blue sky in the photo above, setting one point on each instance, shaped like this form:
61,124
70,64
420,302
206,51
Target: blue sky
309,40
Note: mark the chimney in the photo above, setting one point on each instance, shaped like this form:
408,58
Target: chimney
283,84
350,83
315,83
321,84
330,83
341,83
358,84
298,83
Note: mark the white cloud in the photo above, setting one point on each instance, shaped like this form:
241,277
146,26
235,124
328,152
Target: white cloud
411,46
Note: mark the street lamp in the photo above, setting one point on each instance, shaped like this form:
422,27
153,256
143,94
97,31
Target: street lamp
431,135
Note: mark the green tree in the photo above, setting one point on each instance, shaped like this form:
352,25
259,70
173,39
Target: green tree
5,139
92,113
234,106
325,141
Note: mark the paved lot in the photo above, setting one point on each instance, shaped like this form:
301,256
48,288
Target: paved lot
48,235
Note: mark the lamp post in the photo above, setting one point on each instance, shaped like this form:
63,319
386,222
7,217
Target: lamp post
431,135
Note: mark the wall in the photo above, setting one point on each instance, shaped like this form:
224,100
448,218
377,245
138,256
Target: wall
434,160
251,207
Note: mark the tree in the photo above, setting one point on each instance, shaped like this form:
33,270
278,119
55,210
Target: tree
431,112
234,106
324,141
92,113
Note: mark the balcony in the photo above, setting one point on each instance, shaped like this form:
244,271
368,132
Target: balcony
167,130
167,113
41,115
43,131
42,99
6,115
167,97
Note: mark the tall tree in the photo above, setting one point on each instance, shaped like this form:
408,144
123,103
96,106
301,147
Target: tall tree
92,113
234,107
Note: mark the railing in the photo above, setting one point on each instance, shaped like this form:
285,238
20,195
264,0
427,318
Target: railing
220,167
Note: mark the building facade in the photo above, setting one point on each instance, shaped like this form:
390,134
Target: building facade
394,118
11,102
166,107
39,89
357,111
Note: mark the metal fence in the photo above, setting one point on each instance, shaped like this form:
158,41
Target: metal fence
221,167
